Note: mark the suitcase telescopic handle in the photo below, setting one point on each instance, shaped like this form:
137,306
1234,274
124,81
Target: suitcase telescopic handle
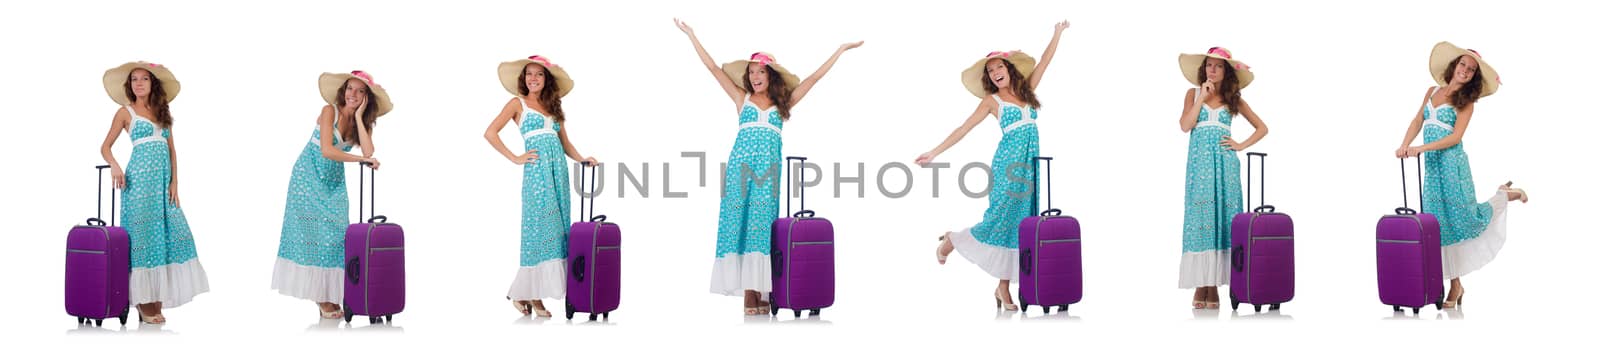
584,177
1248,167
99,190
362,201
789,200
1049,188
1405,193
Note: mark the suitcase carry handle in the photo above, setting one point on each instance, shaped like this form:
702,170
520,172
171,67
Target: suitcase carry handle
1238,259
1404,211
577,268
352,269
1051,212
789,181
1049,188
1027,261
378,219
96,222
362,202
1266,209
805,213
99,189
1405,194
777,263
584,177
1249,164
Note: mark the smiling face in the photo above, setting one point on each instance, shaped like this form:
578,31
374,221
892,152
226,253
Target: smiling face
354,92
997,72
140,82
757,76
533,79
1465,69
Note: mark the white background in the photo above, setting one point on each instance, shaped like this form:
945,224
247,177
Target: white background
1336,81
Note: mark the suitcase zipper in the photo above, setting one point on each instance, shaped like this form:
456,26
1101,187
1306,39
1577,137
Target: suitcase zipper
85,251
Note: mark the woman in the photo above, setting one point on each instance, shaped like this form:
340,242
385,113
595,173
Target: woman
166,268
310,261
1212,194
1470,232
1004,83
749,201
537,86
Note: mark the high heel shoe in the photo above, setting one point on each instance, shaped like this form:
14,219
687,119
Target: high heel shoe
999,302
1451,304
521,307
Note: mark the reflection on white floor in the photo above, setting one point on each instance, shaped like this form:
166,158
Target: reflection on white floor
357,324
114,328
784,318
1451,314
1207,314
1053,316
1265,315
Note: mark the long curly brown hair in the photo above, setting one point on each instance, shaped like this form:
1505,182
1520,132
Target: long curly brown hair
1019,84
1228,90
549,94
778,90
157,99
1468,94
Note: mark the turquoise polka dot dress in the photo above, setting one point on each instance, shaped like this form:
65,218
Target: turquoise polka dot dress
546,211
166,267
1212,195
310,262
992,243
749,203
1470,232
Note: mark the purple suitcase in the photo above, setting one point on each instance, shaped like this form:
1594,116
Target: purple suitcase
375,264
594,260
1263,250
1051,256
1410,269
802,258
98,267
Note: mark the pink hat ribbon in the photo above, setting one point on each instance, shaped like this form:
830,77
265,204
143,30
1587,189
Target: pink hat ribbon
1224,53
364,76
542,60
1002,54
762,58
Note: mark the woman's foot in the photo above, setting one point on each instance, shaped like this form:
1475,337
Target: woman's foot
151,314
1213,301
1454,298
1002,299
1199,302
752,302
943,250
330,310
521,306
538,308
763,307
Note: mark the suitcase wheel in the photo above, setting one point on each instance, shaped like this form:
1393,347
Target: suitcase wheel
373,320
1063,309
80,320
1235,305
97,322
1046,309
592,317
774,310
1275,307
388,319
1258,308
606,316
1416,311
796,313
815,312
569,311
